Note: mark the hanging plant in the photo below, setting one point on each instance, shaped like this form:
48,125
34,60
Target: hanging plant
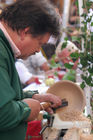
86,55
85,38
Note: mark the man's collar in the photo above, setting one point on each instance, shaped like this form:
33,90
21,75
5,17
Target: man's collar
16,51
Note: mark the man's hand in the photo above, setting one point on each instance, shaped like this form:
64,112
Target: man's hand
54,100
34,105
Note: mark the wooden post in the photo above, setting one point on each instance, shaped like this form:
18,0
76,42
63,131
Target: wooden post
65,16
80,3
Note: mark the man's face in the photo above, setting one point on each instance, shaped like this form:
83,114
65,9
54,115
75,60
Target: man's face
29,45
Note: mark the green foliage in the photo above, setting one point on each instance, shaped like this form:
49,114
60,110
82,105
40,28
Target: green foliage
86,56
68,66
64,44
56,73
66,38
92,104
82,85
70,75
53,64
75,56
75,38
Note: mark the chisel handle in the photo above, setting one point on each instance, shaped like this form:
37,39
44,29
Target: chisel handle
45,105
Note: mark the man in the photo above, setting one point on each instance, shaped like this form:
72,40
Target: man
24,27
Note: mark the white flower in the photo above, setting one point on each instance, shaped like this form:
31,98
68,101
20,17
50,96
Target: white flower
92,19
91,28
90,16
91,10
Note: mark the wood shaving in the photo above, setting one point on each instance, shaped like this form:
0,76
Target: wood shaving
73,115
54,134
86,137
68,135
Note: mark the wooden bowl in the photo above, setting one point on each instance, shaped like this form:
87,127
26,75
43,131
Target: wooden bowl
72,93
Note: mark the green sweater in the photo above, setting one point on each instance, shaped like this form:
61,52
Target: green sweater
13,112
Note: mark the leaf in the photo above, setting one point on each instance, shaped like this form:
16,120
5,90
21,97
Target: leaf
88,4
52,62
91,23
70,75
89,19
56,73
53,56
88,80
74,38
91,103
90,70
75,56
89,116
69,66
66,38
83,61
82,85
72,71
83,77
82,29
64,45
76,3
84,15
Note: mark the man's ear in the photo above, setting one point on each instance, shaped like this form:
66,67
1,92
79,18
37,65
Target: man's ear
23,33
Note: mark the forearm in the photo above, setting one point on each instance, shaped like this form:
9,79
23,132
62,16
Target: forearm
12,113
35,108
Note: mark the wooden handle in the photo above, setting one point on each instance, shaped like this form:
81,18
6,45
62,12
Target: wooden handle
40,116
45,105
